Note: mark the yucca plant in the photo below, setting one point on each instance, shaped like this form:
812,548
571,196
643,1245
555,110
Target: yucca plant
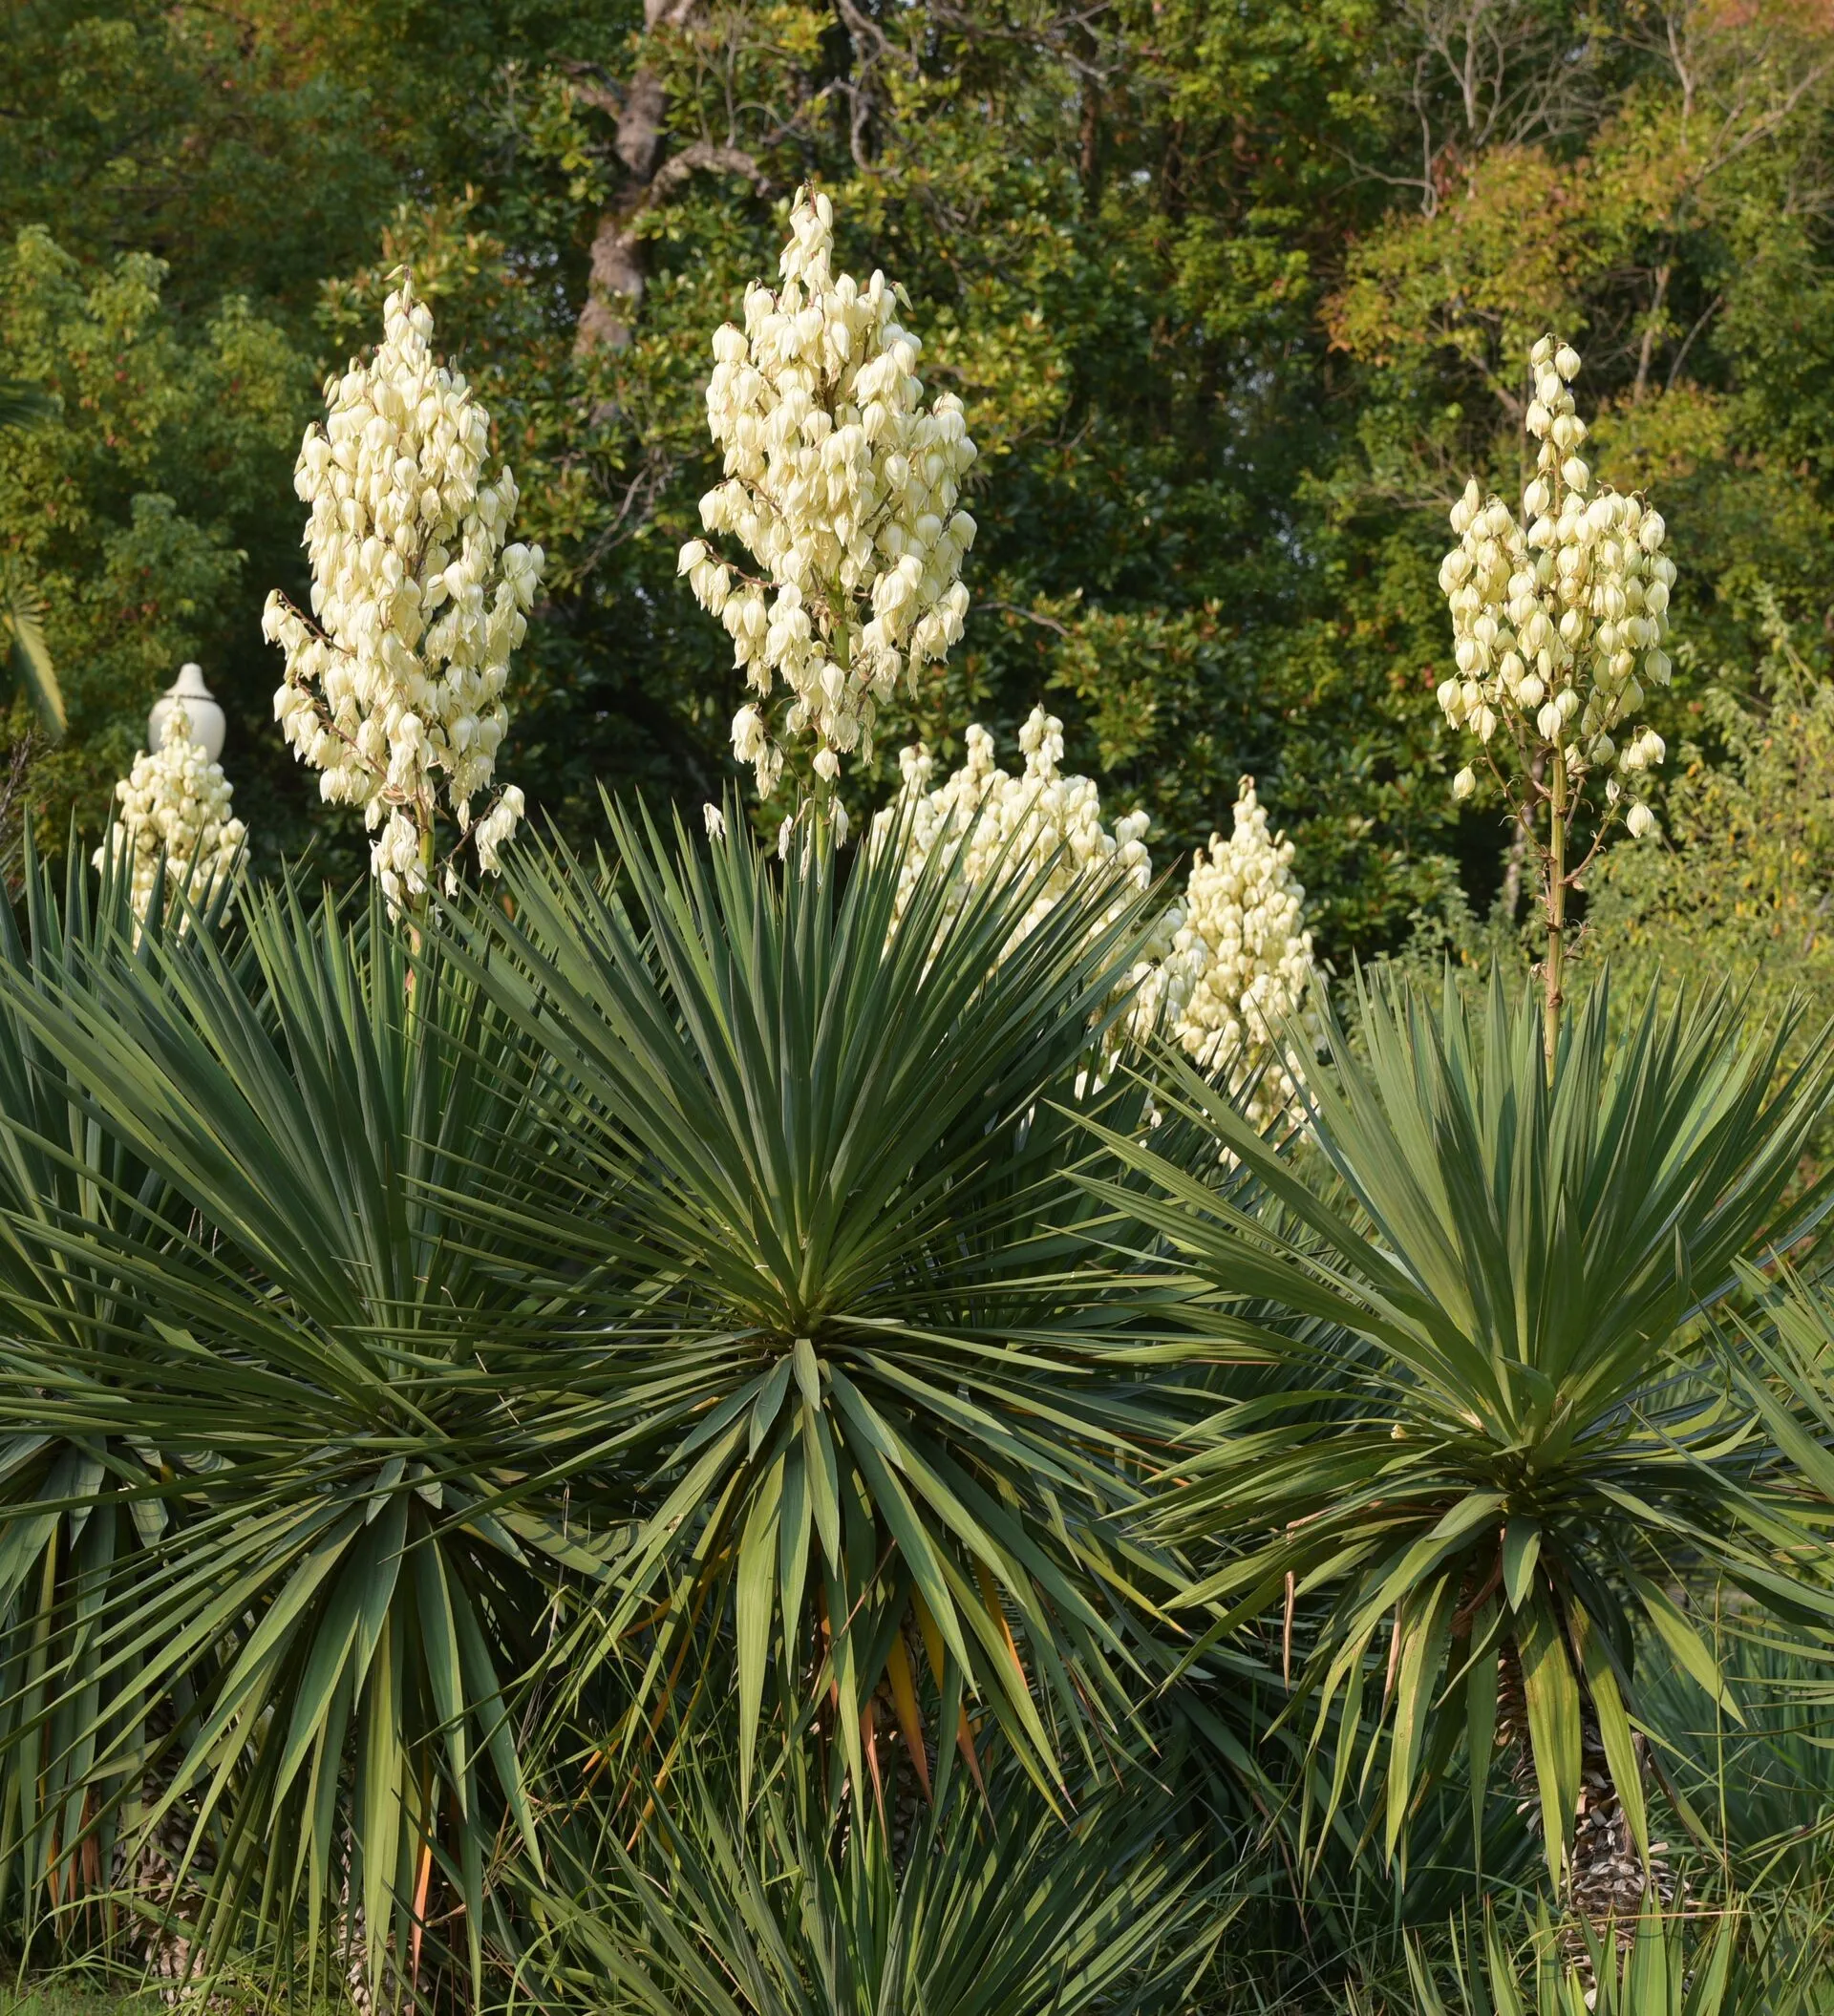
1000,1910
1475,1502
1671,1966
81,1512
889,1404
677,1278
365,1421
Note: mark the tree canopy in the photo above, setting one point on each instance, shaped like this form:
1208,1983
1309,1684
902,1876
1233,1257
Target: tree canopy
1234,297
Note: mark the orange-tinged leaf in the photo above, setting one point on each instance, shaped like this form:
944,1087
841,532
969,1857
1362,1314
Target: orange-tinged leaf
991,1597
869,1742
910,1721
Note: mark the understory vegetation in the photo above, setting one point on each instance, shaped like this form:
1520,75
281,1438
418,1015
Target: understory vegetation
924,1186
695,1457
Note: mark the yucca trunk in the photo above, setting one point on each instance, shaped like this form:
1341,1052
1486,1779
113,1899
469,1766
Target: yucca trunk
1606,1877
148,1867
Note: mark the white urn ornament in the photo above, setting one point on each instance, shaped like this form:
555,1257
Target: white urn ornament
203,714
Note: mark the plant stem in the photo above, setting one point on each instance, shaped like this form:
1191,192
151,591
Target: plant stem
419,904
841,645
1553,997
823,792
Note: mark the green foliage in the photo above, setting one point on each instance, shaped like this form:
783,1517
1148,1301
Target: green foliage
1664,1966
67,1997
1515,1472
1760,1791
981,1916
22,612
1743,885
891,1423
126,512
1228,298
659,1443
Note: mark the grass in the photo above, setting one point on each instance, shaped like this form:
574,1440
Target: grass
67,1998
73,1995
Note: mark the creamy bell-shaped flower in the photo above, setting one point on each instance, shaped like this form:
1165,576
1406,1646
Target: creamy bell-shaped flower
1558,615
1035,823
844,487
394,690
1012,823
174,805
1244,959
1226,969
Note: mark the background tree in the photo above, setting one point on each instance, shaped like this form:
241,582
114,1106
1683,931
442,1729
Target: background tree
1186,270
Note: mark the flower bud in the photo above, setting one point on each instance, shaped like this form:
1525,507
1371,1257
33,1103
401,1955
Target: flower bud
1464,783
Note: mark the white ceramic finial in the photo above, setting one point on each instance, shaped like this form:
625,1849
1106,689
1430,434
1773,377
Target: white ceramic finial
201,713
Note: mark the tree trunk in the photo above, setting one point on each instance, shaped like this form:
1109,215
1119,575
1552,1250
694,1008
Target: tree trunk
1605,1879
146,1867
615,287
1606,1882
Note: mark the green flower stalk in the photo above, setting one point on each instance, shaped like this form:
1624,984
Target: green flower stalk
1559,618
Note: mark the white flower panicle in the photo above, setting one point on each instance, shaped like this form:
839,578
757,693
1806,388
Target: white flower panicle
1558,615
177,800
1243,962
844,487
394,689
1013,824
1226,969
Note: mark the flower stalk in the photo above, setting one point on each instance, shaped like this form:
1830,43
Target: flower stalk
1559,618
393,688
175,824
842,485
